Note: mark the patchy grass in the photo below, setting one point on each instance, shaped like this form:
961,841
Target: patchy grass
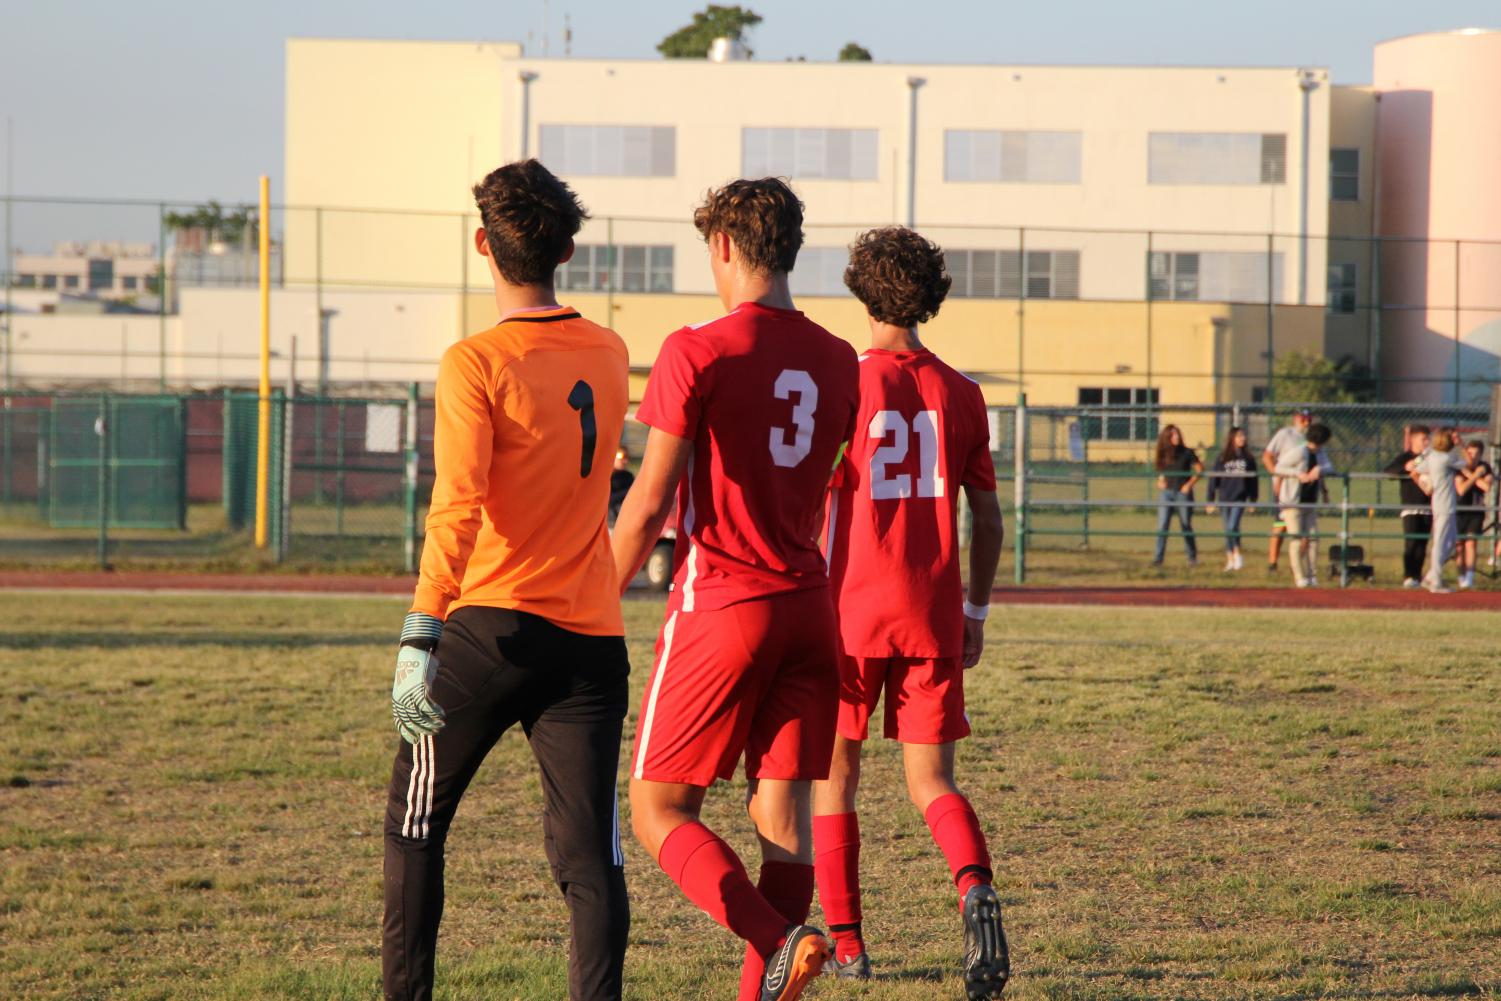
1206,804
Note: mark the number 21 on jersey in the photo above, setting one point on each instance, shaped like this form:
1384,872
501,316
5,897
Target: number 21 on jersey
886,485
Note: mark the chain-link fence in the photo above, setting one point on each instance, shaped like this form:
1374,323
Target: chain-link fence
368,294
1087,498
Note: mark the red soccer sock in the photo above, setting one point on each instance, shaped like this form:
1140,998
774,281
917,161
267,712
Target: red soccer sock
836,842
956,830
787,886
710,875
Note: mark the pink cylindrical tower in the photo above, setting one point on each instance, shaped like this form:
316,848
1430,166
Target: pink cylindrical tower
1439,181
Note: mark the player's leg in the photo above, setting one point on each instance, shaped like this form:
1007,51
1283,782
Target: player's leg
1292,519
925,711
1186,519
1274,544
576,740
788,747
427,781
697,712
1164,522
836,824
1311,546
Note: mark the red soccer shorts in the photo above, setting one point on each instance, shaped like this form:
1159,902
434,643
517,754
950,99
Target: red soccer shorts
759,677
924,698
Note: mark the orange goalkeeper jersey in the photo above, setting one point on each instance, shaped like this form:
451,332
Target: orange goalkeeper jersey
529,415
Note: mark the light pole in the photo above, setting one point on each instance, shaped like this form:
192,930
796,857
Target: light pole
526,77
913,84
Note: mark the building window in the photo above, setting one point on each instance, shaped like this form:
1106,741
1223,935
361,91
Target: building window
1216,158
128,283
1133,425
1344,175
49,281
834,154
25,281
1212,276
70,281
997,274
1035,157
820,271
610,150
1342,287
634,268
101,275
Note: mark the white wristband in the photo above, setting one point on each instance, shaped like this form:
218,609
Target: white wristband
976,612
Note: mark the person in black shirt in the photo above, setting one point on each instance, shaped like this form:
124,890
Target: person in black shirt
1473,483
1235,486
1417,511
1178,469
621,479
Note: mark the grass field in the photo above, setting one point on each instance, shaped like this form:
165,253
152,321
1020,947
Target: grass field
1181,803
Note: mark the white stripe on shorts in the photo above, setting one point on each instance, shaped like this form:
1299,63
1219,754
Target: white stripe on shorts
656,689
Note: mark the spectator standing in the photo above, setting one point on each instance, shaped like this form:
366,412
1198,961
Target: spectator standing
1439,466
1178,469
1286,444
1473,484
1302,486
1417,510
621,479
1234,485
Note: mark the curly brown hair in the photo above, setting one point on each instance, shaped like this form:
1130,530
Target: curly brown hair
529,215
898,275
763,218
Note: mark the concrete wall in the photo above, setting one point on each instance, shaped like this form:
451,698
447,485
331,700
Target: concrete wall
1440,151
1352,125
433,117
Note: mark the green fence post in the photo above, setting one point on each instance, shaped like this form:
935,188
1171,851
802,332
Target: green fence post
339,476
1084,452
102,481
409,485
1019,447
1344,534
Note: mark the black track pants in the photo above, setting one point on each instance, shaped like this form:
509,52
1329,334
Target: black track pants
498,668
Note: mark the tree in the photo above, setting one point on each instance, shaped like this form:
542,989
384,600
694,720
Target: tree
854,52
1303,377
216,224
692,41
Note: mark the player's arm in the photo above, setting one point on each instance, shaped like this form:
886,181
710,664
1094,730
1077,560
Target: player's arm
463,440
646,507
987,536
1198,473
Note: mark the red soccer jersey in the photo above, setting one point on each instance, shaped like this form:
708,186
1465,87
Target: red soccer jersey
921,434
768,397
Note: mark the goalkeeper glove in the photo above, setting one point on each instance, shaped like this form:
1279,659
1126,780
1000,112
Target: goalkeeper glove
412,707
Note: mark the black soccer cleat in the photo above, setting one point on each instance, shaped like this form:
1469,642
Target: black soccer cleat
987,961
798,961
855,968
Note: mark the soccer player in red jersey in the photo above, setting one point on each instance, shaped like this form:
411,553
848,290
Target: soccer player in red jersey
748,415
905,625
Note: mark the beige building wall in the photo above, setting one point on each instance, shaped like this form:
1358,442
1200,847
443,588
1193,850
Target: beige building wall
1440,148
403,128
1352,126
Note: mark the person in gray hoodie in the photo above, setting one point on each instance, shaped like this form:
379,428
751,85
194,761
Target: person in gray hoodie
1438,467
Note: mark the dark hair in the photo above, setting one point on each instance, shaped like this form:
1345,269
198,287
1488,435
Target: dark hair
897,275
1475,443
1230,451
1318,434
1165,446
530,216
1420,429
763,217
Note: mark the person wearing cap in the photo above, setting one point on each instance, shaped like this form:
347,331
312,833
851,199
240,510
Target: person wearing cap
1285,447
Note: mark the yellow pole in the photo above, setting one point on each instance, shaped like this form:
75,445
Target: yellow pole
263,427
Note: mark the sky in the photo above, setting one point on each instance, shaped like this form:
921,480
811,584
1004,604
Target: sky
183,99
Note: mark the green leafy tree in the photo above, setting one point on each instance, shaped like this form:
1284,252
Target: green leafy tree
219,224
854,52
692,41
1303,377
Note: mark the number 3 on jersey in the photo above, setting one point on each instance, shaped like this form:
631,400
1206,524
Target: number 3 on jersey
883,484
794,382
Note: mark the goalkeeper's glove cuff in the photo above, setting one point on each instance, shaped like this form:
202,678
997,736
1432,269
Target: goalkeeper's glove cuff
421,631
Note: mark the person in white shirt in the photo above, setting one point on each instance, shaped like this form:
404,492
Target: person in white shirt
1287,442
1436,469
1302,475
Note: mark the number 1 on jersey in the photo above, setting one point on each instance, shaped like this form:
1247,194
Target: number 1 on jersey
582,400
885,486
